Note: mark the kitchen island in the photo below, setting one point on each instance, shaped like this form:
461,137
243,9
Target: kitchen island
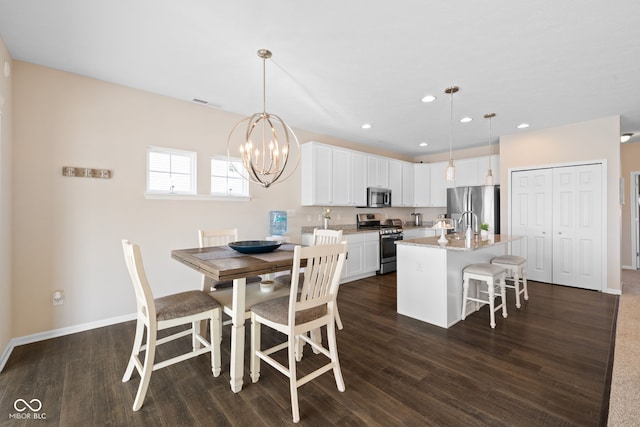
430,274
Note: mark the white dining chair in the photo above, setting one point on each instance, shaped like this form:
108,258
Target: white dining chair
299,313
162,313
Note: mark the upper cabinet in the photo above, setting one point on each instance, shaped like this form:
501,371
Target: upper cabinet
377,172
332,176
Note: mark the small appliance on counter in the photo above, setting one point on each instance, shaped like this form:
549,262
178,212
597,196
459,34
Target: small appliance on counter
277,225
417,219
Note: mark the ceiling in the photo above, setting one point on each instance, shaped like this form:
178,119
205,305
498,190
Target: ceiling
338,64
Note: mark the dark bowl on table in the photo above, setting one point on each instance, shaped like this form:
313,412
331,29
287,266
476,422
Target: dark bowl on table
254,246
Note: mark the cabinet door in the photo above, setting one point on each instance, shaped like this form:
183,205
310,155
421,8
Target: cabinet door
355,260
358,178
395,182
422,185
439,184
407,184
467,172
371,255
316,171
484,163
377,172
341,178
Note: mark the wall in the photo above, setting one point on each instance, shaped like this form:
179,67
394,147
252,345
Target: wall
5,202
67,231
630,155
585,141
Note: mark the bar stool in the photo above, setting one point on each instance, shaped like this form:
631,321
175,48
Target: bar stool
516,272
493,277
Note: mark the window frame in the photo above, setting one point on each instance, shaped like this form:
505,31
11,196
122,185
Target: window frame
235,161
192,155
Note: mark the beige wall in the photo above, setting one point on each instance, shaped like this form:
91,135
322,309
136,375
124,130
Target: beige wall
594,140
67,231
630,155
5,201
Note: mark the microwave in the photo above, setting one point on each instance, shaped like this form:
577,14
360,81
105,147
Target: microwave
378,197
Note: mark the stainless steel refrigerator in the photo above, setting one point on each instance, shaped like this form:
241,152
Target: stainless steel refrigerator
483,201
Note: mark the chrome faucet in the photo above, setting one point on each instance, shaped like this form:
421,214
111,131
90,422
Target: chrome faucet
470,228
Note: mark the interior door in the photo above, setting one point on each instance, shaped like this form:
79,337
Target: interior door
577,226
531,216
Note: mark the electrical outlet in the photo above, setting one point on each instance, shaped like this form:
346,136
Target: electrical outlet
58,297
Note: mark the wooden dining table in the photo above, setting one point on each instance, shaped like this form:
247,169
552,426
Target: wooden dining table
224,263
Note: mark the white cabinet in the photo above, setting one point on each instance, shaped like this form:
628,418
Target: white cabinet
483,167
363,259
401,183
422,185
332,176
439,184
316,168
377,171
467,171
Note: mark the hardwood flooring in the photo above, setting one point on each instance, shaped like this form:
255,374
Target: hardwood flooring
547,364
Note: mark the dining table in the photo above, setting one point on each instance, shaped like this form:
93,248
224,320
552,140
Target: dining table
225,263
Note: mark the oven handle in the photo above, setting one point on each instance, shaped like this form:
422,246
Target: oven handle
391,236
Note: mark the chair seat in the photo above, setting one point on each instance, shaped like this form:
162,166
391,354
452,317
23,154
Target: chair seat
483,269
277,310
184,304
508,260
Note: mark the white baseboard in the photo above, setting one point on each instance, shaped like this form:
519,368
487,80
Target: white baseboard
41,336
613,291
628,267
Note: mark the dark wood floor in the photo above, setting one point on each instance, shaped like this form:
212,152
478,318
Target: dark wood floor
547,364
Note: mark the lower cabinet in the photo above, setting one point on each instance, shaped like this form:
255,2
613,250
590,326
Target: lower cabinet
416,233
363,258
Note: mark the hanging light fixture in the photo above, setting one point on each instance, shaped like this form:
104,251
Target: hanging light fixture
450,172
265,145
489,178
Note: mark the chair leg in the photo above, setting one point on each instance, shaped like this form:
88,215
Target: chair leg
137,343
491,290
293,383
333,351
338,320
214,342
147,368
255,346
516,286
524,284
465,293
503,297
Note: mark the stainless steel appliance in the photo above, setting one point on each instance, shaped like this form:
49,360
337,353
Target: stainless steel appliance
378,197
482,202
390,231
417,219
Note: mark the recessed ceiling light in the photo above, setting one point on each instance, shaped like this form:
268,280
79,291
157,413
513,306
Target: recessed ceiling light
523,125
625,137
465,119
366,126
423,144
428,98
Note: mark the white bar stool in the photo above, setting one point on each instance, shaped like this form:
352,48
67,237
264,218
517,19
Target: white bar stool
516,272
494,278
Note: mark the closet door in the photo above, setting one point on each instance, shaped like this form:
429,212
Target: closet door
577,226
531,216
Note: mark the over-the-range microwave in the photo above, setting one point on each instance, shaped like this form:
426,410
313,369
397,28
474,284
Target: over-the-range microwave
378,197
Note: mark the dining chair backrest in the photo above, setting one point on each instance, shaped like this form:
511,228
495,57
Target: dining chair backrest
220,237
326,237
144,297
321,276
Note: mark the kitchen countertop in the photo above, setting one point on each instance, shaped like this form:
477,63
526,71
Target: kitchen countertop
352,228
459,244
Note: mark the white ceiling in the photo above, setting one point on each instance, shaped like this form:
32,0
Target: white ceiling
338,64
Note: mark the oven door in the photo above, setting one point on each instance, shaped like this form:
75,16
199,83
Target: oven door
388,252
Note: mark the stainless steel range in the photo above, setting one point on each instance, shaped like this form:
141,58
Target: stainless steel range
390,231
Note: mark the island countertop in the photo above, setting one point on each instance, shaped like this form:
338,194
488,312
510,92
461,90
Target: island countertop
459,243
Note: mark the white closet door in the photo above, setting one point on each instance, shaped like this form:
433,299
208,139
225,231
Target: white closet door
577,226
531,216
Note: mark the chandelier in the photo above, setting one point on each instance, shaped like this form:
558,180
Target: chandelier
450,172
265,143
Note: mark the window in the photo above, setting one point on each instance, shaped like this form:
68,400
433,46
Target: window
171,171
227,177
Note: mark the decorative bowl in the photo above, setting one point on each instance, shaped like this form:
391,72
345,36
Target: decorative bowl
255,246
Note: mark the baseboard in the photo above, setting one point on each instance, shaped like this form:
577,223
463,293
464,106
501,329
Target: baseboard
628,267
613,291
41,336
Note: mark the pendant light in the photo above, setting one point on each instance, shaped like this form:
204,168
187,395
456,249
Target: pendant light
489,178
450,172
265,145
